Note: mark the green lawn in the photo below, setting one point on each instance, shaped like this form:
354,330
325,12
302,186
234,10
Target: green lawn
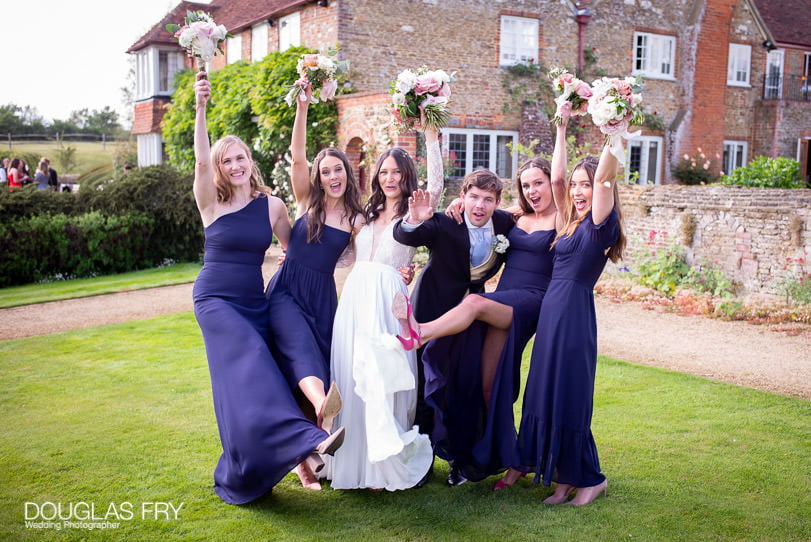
89,154
69,289
122,415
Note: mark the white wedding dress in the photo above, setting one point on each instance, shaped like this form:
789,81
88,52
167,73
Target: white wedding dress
376,376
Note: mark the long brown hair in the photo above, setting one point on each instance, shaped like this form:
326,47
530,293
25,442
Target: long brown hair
408,184
570,219
224,188
540,163
316,213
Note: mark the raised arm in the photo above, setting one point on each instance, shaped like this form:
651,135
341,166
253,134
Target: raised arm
604,179
299,169
558,170
205,192
436,175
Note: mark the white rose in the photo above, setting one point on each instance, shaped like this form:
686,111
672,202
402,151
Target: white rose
219,33
186,37
326,64
636,98
398,98
441,76
405,81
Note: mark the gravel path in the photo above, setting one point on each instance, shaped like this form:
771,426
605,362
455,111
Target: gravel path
776,359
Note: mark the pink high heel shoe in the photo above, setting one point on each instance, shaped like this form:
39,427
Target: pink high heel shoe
330,408
504,483
561,495
401,309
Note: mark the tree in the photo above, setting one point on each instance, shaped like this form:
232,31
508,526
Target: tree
11,121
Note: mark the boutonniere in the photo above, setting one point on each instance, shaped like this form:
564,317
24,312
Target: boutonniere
500,244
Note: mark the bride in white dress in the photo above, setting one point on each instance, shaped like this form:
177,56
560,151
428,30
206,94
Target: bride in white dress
376,377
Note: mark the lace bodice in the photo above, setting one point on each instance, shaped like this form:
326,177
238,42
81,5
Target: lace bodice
388,251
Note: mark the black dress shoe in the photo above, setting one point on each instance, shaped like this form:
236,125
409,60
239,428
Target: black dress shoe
455,478
424,479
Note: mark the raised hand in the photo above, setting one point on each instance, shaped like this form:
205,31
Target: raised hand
564,112
419,207
456,210
202,89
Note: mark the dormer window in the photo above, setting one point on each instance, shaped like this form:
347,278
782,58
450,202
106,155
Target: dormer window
155,71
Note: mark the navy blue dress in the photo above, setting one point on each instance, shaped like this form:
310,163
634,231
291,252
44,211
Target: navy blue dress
303,300
554,438
481,440
262,430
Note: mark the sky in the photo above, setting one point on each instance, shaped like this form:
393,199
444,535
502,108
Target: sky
60,56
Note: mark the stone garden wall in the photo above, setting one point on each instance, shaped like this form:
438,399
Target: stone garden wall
757,236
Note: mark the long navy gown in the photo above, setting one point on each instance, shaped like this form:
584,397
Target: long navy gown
303,300
555,439
262,430
481,440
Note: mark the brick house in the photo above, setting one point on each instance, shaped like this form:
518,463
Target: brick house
729,76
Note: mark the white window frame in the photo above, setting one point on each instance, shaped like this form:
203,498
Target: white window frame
518,40
259,41
774,58
733,149
290,31
806,73
147,72
233,49
739,65
493,151
654,55
645,143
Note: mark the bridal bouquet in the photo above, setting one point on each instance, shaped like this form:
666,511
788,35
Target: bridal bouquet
317,73
200,36
421,94
614,107
571,91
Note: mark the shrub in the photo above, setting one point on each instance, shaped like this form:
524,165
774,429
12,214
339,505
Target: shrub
763,172
797,289
42,246
662,266
698,169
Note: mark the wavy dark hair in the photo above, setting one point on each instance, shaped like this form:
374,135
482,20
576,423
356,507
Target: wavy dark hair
570,218
540,163
408,184
315,207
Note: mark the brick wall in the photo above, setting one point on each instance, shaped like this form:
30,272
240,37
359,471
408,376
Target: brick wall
758,236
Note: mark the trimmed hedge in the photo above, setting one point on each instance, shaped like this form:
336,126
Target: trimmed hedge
135,221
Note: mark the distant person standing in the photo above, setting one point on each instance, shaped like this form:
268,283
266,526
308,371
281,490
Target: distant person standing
43,175
4,170
16,175
53,181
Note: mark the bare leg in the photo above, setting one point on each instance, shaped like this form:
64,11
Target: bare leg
313,389
494,342
459,318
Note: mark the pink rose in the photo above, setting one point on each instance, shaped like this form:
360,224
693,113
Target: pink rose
445,91
202,28
583,90
624,89
328,89
615,127
311,61
426,84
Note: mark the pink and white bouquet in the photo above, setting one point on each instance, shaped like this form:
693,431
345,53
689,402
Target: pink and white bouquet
318,74
200,36
614,107
421,95
573,93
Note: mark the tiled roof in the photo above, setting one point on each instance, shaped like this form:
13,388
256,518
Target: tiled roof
787,20
233,14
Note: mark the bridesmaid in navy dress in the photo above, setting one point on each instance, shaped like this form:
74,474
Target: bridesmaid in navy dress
302,295
262,430
555,439
473,360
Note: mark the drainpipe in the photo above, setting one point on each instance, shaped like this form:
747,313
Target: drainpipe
582,16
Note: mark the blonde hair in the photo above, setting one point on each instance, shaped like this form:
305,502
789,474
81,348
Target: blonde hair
43,167
224,188
571,220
